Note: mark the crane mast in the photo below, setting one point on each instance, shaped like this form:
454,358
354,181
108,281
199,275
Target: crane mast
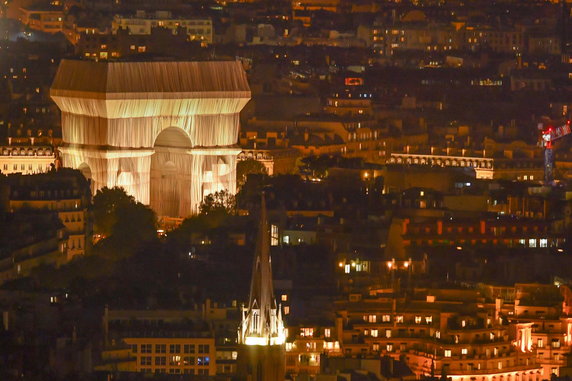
548,135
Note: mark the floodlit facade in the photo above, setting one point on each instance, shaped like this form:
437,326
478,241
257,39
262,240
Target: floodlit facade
305,347
198,29
164,131
28,159
448,332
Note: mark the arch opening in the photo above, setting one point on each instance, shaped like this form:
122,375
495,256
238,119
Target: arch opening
173,137
86,172
171,174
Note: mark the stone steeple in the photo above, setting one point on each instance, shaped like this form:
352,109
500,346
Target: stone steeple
262,319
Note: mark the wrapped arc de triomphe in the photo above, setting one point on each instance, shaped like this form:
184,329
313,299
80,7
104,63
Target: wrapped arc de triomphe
164,131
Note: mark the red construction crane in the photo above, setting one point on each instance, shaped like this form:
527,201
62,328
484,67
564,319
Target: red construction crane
549,134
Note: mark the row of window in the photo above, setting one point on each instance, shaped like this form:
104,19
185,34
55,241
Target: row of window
30,167
175,360
372,318
522,242
74,217
200,372
309,332
75,243
27,152
173,348
555,343
496,230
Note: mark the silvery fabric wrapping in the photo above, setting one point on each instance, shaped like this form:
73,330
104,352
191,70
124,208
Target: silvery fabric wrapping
164,131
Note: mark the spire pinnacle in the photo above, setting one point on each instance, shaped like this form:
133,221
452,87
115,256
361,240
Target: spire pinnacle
261,319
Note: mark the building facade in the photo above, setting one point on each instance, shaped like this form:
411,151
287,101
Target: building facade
198,29
26,159
450,332
65,192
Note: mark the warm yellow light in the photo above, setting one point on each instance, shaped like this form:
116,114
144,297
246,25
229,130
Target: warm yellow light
406,264
341,264
254,340
389,265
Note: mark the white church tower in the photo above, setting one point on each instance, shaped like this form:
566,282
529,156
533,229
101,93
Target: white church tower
261,334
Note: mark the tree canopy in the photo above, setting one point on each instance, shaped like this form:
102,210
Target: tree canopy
248,167
105,204
122,219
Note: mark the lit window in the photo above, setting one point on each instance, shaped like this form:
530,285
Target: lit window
464,351
375,347
389,347
500,365
372,318
532,242
286,310
284,297
274,235
327,332
347,269
203,360
374,333
175,360
388,333
437,334
417,319
386,318
540,343
447,353
428,319
306,332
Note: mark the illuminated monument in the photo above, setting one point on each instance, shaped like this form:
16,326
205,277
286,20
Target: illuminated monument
261,334
165,131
